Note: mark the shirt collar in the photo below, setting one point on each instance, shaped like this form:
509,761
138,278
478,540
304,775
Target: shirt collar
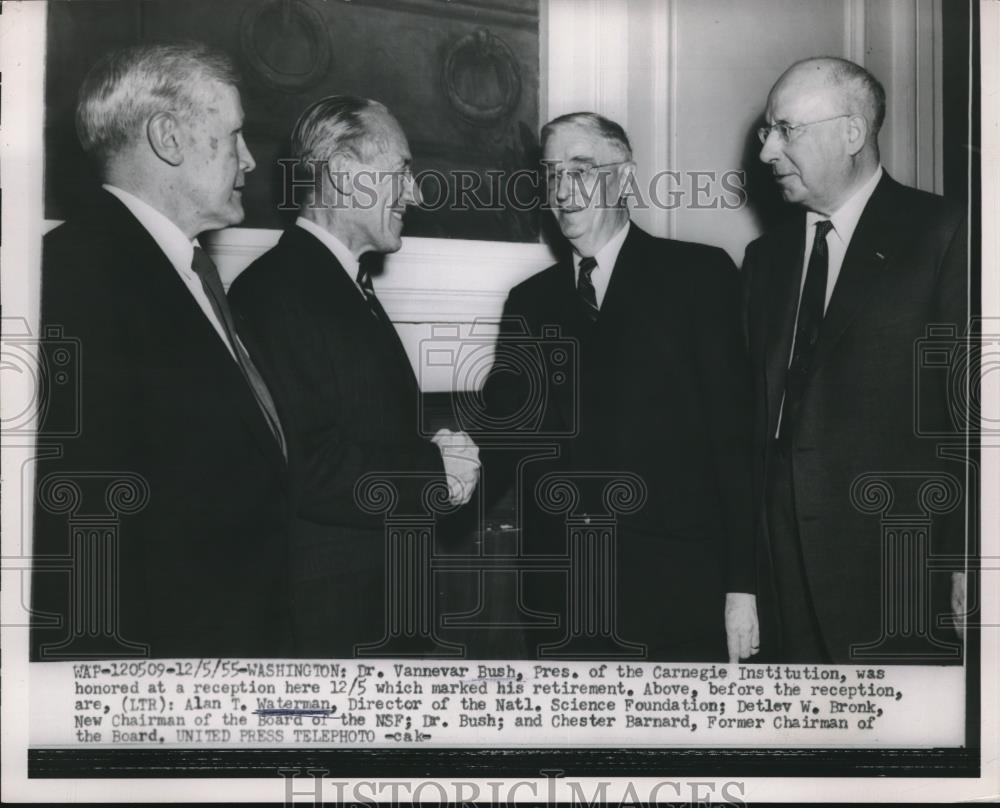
845,219
178,248
608,254
333,244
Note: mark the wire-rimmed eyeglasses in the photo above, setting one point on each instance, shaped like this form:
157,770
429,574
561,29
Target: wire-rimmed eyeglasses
576,172
786,130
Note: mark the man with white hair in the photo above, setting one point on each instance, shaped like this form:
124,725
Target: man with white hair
838,300
179,437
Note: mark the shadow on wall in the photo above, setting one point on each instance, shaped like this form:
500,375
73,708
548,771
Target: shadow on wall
763,198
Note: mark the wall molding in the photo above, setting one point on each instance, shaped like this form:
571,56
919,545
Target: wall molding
855,31
929,88
586,45
904,51
652,98
428,280
442,295
481,13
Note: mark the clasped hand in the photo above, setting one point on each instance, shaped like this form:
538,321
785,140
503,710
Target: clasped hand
742,628
461,463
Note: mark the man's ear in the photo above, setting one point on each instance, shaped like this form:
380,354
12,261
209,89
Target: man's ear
857,134
338,169
165,137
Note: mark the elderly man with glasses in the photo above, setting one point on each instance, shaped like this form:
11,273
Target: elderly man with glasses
655,393
838,300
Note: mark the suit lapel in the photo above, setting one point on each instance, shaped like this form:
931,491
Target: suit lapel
347,298
180,320
780,301
391,339
567,305
875,239
622,293
565,314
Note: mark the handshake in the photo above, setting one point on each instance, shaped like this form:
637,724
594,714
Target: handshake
461,463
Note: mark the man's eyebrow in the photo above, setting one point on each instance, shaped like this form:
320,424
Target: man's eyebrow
577,159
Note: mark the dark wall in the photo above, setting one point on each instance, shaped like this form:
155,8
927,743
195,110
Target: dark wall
461,76
960,78
961,93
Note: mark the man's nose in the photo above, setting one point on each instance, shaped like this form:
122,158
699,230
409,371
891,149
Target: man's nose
247,163
563,185
771,148
411,191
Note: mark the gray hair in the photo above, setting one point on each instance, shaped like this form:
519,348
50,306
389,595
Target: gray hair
864,91
602,127
127,86
334,125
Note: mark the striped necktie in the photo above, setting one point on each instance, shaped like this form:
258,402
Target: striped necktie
585,289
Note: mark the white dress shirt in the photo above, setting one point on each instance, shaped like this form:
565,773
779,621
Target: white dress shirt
337,247
845,222
606,258
178,249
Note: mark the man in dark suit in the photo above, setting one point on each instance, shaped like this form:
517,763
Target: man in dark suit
838,300
161,528
660,397
340,370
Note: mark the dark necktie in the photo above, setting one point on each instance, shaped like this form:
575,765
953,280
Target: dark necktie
207,272
810,318
365,282
585,289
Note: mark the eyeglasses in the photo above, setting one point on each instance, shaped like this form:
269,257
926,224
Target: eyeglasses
577,172
786,130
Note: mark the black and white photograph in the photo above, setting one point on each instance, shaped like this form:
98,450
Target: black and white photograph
499,400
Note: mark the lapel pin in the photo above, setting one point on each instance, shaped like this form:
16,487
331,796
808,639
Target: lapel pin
880,256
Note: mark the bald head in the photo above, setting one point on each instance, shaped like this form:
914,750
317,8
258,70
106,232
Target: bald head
821,141
854,88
